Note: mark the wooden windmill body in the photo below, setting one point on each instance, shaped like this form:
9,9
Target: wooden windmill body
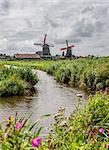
68,50
45,47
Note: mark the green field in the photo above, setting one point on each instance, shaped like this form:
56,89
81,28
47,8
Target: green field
90,74
85,129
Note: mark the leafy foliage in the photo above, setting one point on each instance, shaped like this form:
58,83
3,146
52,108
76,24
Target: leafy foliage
82,129
91,74
16,134
14,81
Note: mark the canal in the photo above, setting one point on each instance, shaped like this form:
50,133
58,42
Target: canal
49,97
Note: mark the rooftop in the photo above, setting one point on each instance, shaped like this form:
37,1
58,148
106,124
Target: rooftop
28,56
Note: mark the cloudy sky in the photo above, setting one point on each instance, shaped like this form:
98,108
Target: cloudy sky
85,23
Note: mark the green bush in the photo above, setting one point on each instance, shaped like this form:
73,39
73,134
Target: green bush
82,129
12,86
27,75
99,86
16,81
84,73
63,74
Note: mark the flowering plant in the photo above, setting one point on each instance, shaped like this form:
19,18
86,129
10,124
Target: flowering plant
17,134
85,129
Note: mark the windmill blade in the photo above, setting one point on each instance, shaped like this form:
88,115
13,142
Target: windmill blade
38,44
71,46
67,43
62,49
45,38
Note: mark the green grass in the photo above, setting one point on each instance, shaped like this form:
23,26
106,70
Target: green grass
16,133
80,130
15,82
91,74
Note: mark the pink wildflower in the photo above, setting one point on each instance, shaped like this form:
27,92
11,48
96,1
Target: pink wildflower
107,146
101,130
18,125
8,118
36,142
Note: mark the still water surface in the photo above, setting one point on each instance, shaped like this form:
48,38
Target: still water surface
49,97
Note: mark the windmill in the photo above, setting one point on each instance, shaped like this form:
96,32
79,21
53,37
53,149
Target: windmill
45,46
69,50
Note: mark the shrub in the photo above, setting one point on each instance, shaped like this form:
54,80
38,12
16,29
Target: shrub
63,74
87,128
27,75
99,86
12,86
84,73
16,81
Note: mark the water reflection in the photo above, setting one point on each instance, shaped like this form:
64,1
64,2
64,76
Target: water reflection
50,96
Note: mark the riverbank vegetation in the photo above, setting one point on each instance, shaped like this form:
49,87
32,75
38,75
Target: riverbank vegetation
16,134
16,81
90,74
85,129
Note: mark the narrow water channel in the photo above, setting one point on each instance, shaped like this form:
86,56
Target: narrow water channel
50,96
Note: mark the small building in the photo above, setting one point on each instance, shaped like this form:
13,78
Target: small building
27,57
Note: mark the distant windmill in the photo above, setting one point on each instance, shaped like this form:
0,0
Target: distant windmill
45,46
69,49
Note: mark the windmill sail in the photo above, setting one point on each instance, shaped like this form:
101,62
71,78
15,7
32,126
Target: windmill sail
63,49
45,38
68,49
71,46
45,46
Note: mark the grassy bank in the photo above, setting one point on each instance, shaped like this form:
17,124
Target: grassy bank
91,74
88,74
85,129
15,82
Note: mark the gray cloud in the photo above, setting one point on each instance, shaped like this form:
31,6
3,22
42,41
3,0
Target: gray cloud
4,7
84,23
